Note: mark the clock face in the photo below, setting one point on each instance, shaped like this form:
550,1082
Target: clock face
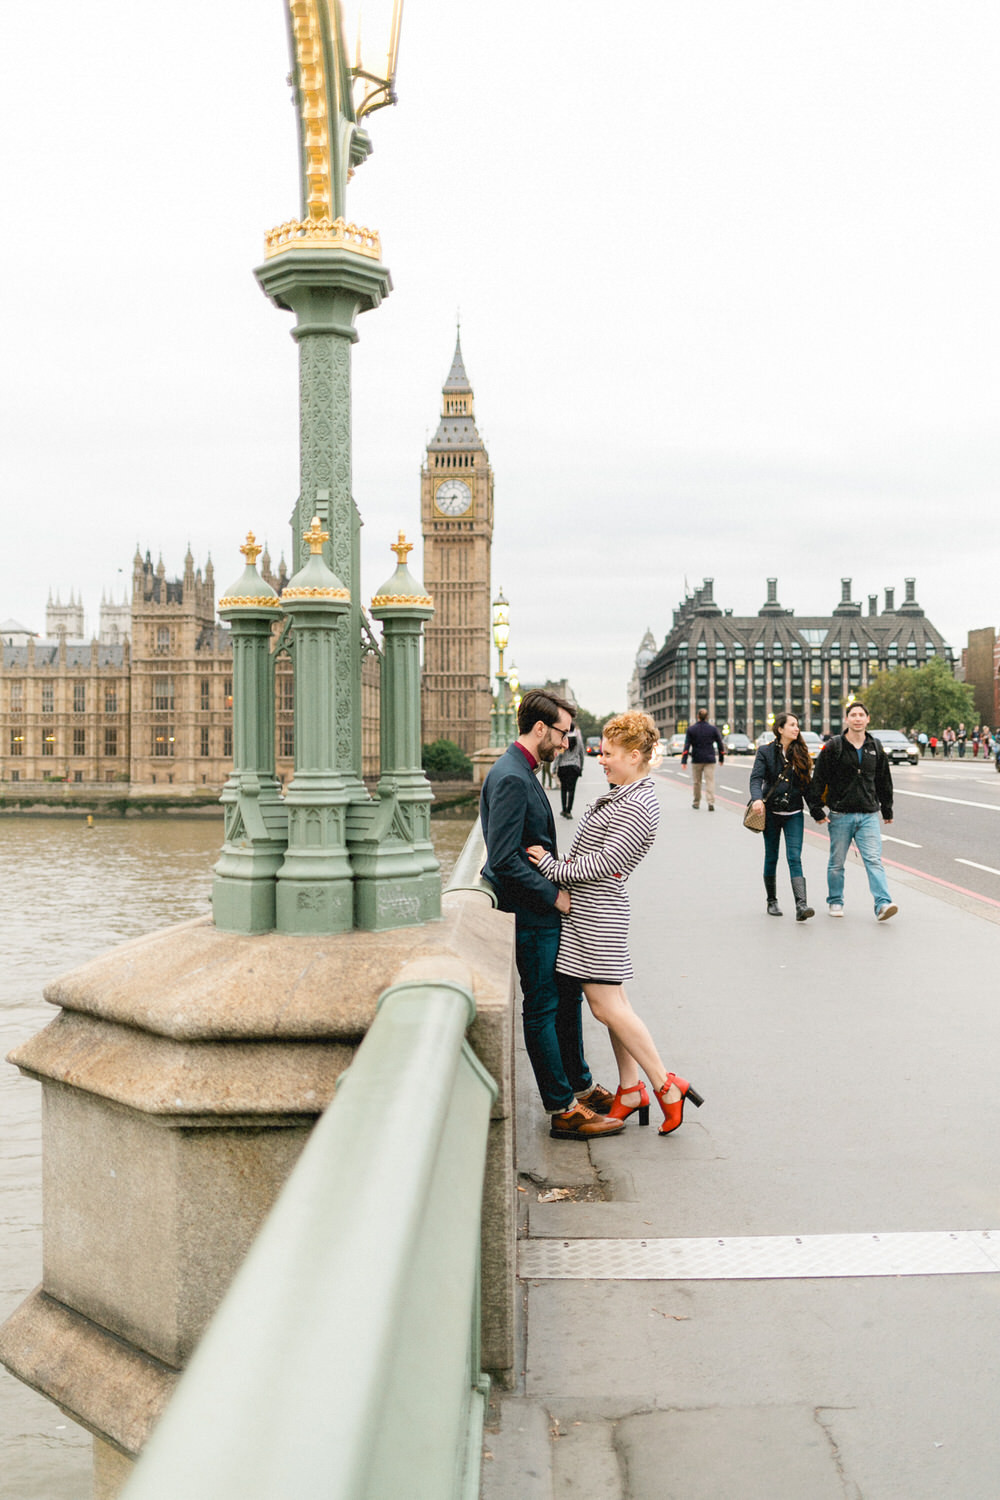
453,497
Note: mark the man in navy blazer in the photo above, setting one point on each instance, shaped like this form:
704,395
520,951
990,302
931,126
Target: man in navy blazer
515,813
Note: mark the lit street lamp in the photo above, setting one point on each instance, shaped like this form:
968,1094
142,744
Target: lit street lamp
501,730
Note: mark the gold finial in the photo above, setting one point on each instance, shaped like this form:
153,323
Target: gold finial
315,536
402,549
250,549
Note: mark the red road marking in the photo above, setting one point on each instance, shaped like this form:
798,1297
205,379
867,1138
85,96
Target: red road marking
950,885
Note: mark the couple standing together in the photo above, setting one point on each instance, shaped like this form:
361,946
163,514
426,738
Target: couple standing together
852,778
571,918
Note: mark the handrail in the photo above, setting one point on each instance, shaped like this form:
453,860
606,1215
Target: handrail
466,875
343,1363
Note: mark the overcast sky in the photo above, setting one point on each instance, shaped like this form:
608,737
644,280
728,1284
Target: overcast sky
727,273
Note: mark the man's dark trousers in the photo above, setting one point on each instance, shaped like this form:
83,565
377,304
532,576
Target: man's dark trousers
551,1016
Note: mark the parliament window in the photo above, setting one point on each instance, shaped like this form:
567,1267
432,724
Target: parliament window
48,744
227,741
16,742
206,694
79,742
163,694
79,697
111,742
163,740
48,699
204,741
111,699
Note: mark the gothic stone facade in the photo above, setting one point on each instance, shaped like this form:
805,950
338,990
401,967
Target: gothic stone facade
744,669
151,711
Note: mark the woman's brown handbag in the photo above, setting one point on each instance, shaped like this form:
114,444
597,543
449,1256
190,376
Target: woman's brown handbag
754,820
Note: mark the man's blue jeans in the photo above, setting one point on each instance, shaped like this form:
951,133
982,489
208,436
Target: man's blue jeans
863,829
553,1025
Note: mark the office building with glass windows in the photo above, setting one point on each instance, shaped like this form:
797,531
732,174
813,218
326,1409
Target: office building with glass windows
746,668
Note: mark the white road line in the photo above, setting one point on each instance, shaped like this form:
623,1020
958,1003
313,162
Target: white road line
765,1257
887,838
972,863
739,790
956,801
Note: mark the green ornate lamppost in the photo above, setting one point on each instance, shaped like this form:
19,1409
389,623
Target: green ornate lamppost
350,860
500,715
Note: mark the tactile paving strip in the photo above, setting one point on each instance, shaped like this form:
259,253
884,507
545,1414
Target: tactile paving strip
937,1253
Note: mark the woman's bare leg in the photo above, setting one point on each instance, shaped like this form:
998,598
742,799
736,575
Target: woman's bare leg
610,1005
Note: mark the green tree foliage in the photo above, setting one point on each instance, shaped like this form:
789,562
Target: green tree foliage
591,724
445,761
920,699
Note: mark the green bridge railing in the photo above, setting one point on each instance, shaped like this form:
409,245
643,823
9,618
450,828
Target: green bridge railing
344,1361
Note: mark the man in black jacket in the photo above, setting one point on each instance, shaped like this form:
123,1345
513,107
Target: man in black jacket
852,778
700,743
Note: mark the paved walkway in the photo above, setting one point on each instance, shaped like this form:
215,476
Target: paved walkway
799,1350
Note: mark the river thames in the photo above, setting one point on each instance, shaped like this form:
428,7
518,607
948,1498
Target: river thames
70,892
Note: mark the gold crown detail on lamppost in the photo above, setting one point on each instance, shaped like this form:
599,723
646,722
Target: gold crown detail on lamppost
334,96
402,587
315,536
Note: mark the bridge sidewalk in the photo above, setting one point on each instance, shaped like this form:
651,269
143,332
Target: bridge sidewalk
848,1069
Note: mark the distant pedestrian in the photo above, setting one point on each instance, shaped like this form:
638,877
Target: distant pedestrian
975,743
852,778
701,742
922,742
779,779
569,769
961,737
933,744
949,741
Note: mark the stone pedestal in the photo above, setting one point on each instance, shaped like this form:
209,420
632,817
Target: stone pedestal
180,1081
483,761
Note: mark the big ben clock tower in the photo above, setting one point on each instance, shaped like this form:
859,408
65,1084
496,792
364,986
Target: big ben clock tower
456,508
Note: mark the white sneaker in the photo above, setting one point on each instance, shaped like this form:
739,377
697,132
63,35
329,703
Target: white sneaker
835,911
885,912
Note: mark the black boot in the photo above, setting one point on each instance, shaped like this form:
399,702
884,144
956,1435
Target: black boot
771,887
803,911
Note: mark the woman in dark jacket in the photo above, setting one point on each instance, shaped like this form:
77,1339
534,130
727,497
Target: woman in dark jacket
781,773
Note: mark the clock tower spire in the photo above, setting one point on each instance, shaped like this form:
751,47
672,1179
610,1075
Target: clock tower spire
456,508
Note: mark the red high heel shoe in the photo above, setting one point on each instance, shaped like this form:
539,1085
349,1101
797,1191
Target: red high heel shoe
621,1111
673,1113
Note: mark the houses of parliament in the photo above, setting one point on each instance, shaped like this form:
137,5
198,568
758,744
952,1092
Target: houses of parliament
147,702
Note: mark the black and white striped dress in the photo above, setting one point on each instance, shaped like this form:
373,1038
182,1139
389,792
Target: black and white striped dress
614,834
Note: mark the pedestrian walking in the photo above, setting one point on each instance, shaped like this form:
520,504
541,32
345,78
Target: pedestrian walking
922,742
961,737
569,769
779,780
701,742
614,834
934,745
853,779
515,812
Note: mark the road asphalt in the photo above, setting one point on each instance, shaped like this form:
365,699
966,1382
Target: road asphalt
796,1295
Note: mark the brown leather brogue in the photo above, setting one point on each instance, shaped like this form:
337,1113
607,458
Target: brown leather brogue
581,1124
598,1099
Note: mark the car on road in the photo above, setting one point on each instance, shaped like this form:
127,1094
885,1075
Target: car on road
593,745
675,745
738,744
899,749
812,742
